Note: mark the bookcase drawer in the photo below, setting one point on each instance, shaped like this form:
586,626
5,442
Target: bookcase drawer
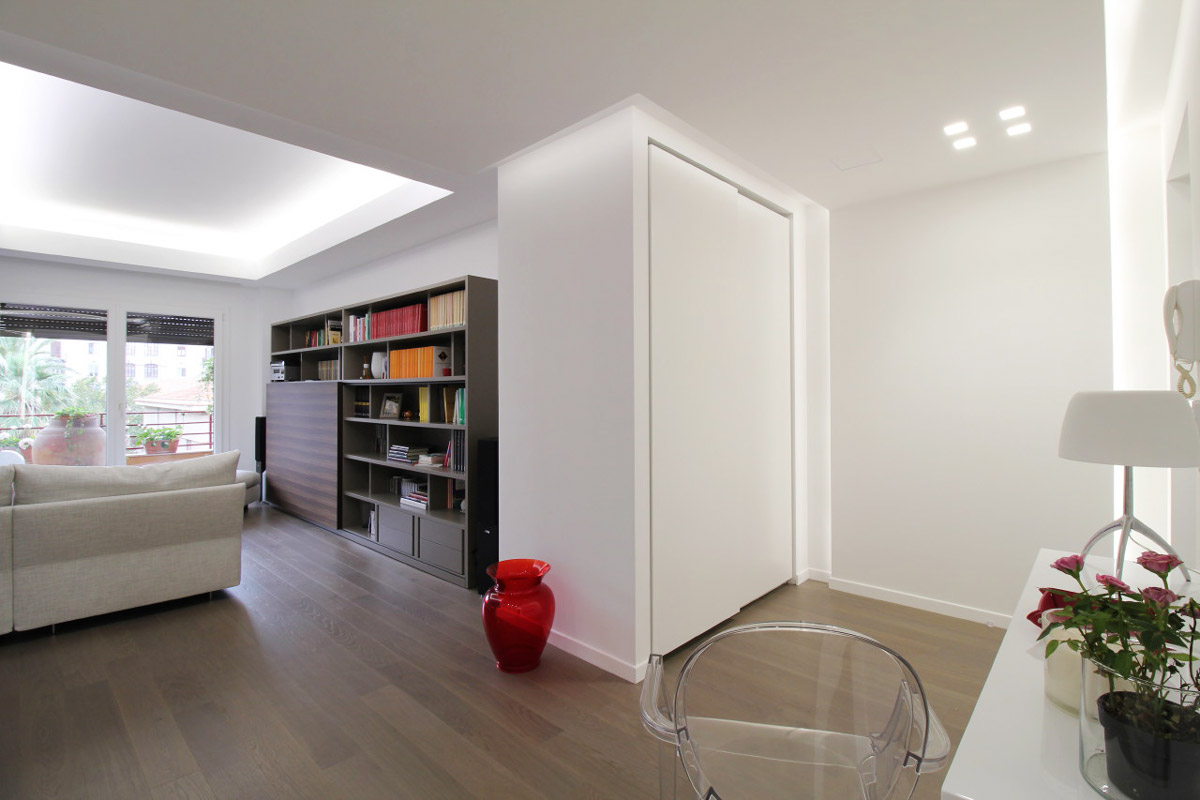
396,530
450,559
441,533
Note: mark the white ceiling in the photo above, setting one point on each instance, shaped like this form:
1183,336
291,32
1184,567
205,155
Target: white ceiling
441,90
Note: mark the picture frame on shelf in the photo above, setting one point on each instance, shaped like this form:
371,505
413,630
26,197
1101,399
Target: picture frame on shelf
389,407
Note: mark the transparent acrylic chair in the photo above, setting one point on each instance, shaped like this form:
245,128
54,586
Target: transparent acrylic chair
793,709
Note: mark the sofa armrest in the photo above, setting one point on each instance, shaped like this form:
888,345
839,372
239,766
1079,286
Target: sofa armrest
6,606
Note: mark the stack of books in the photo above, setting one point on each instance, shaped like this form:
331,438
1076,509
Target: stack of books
327,370
447,310
456,451
419,362
330,334
414,494
405,453
381,324
415,499
362,405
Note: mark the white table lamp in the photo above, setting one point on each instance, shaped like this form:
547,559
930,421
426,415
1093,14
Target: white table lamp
1130,429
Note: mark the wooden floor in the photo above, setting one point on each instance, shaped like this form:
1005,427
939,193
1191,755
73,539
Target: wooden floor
333,672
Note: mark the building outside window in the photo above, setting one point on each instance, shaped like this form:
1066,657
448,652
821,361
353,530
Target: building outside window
151,349
93,370
150,371
56,349
91,348
130,370
183,372
181,351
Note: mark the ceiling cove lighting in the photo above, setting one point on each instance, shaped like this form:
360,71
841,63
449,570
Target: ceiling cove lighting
1015,112
955,128
964,143
1017,130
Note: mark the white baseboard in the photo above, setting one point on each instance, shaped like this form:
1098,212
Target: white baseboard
630,672
634,673
923,603
818,575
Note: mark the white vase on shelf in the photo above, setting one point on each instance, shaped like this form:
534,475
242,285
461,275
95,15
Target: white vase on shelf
378,365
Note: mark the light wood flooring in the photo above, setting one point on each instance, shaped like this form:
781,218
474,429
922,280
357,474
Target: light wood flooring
334,672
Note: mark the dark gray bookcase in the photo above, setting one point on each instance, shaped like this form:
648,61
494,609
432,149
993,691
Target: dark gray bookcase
441,538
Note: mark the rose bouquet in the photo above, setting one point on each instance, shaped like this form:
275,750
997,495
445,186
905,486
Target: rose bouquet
1147,636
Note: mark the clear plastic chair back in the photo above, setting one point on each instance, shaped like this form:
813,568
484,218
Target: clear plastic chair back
796,710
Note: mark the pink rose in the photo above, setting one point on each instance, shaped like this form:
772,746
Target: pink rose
1158,563
1114,583
1071,565
1159,596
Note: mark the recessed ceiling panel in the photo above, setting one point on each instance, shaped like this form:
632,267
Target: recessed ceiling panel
83,162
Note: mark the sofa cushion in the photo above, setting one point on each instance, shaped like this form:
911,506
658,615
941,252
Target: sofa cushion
42,483
6,482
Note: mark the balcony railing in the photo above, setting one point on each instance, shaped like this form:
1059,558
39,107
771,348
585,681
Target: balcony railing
196,439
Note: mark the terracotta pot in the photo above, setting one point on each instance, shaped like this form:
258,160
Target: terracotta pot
70,441
158,448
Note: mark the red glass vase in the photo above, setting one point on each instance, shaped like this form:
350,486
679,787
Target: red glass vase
517,613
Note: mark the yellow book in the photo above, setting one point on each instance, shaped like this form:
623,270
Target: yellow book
423,400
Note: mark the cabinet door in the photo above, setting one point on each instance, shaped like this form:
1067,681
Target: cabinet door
441,545
302,450
720,400
396,529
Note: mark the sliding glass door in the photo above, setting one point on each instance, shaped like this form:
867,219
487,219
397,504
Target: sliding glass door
53,383
60,365
168,386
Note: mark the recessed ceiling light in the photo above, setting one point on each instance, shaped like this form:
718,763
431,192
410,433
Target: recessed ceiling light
1012,113
955,128
1017,130
964,143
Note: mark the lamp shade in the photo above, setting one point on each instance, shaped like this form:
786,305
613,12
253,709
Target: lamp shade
1133,429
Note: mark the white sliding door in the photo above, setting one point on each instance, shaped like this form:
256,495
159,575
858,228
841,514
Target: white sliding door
720,400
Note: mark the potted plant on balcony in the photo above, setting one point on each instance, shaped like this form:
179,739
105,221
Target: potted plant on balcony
1140,646
159,441
73,437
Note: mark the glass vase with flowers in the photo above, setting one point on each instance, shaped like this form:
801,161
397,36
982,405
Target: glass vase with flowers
1140,713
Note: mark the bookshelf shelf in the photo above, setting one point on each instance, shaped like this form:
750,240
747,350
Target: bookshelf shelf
438,472
404,423
393,501
415,348
412,381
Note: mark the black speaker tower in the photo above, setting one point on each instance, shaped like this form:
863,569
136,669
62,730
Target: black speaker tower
486,500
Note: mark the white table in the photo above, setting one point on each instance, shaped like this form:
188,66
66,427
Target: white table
1018,744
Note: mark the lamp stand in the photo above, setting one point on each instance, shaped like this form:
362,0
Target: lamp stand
1127,523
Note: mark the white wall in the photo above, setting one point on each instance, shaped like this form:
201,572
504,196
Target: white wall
470,252
574,466
963,319
241,317
1180,148
1153,62
566,310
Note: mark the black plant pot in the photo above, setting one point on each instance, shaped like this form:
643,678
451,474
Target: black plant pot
1141,764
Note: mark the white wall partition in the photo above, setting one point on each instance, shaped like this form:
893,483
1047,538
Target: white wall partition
576,422
963,319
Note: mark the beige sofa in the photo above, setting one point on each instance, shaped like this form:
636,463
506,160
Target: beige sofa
80,541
